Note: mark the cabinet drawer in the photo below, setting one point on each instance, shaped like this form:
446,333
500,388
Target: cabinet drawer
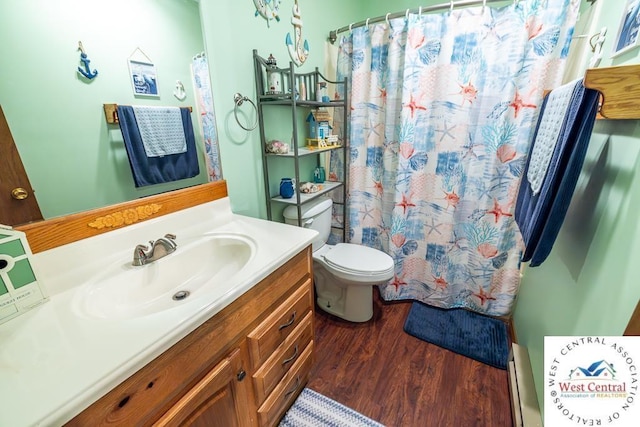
264,339
272,371
287,390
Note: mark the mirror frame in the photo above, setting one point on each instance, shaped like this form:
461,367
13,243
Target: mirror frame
51,233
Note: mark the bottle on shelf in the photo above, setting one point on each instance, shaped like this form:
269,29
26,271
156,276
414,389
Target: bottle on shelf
321,92
319,175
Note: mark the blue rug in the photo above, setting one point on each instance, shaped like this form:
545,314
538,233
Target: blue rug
312,409
479,337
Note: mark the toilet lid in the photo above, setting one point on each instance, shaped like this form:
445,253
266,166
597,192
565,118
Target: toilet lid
358,259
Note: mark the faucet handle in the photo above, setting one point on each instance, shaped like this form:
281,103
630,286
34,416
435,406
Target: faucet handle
172,238
140,255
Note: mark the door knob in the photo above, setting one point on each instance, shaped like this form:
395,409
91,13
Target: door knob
19,193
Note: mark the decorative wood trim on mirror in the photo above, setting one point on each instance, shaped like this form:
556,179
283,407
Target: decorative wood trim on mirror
126,217
51,233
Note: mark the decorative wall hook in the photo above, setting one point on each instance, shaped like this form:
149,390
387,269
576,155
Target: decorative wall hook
86,71
596,41
179,91
298,50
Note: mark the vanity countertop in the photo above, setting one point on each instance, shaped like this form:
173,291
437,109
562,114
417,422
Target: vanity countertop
55,361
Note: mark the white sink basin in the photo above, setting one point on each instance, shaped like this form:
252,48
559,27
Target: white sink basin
203,266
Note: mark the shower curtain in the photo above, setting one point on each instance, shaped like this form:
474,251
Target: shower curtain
207,117
442,111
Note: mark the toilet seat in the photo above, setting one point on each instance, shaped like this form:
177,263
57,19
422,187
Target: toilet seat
358,263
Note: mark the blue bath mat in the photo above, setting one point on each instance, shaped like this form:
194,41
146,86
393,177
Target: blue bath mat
464,332
312,409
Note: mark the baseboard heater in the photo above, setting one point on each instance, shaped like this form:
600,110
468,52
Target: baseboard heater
525,410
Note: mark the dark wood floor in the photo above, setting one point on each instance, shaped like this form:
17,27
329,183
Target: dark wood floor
401,381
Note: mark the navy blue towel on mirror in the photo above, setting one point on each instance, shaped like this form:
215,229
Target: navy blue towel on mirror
157,170
470,334
540,216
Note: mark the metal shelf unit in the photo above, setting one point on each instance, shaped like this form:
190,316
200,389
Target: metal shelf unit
291,97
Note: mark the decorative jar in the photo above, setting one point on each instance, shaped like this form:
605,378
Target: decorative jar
287,188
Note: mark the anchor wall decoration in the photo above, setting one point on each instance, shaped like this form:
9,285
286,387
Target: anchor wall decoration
298,49
268,9
86,71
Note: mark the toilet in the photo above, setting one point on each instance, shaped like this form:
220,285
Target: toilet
344,274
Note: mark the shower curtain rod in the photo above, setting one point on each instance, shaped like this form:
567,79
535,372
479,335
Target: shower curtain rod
333,35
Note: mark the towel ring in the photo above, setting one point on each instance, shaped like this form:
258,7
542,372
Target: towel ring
238,99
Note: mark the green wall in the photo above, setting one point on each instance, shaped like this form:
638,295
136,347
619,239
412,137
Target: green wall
231,32
75,161
589,283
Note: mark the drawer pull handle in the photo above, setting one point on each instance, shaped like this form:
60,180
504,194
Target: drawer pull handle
290,359
290,392
289,323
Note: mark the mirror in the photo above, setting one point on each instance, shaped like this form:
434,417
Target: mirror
74,160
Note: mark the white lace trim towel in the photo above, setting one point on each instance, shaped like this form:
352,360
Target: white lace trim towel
544,145
161,130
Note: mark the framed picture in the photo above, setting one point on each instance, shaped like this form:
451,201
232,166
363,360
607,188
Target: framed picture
627,37
144,78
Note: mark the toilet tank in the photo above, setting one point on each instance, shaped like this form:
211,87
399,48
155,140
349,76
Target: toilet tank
316,215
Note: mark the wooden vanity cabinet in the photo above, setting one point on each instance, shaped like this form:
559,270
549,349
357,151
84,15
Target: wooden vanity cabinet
211,377
218,399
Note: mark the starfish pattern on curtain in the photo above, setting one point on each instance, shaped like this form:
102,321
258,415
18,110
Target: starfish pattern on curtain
442,111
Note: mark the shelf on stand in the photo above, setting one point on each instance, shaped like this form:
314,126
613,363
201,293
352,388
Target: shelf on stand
306,197
305,151
286,100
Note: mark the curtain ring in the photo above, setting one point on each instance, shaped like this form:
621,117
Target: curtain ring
386,18
451,8
367,23
484,5
406,15
238,99
420,11
350,28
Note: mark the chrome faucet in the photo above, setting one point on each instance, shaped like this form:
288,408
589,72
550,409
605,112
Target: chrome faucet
160,248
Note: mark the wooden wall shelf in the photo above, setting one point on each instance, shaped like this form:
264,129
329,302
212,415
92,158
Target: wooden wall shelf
620,88
111,113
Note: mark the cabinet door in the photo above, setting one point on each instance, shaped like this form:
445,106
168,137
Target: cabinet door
217,400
